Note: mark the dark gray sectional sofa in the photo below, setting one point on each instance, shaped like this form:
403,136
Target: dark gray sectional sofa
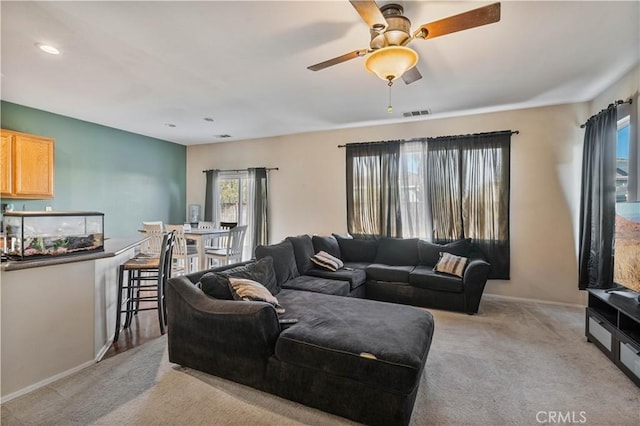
386,269
357,358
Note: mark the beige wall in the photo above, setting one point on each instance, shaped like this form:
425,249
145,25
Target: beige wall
307,193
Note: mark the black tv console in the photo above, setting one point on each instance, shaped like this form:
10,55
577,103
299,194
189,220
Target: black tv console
612,323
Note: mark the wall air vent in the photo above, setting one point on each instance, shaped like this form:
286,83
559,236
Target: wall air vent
223,136
417,113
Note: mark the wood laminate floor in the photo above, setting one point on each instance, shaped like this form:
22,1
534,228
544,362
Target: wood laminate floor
144,328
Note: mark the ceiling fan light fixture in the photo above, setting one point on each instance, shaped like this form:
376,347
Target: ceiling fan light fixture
391,62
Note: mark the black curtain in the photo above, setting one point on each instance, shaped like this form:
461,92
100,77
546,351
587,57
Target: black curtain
210,195
373,208
469,191
597,201
260,219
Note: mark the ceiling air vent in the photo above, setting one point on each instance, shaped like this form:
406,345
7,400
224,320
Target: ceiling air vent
417,113
223,136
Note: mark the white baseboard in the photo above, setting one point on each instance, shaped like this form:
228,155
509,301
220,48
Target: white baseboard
524,299
58,376
104,349
45,382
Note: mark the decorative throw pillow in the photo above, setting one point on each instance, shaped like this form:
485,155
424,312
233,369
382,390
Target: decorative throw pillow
451,264
326,261
245,289
216,283
284,261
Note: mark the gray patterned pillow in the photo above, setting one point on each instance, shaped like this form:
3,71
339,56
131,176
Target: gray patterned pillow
245,289
451,264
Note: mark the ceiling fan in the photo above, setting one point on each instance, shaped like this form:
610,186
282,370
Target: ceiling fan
388,54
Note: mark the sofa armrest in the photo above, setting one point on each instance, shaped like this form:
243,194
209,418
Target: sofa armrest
476,273
228,338
474,279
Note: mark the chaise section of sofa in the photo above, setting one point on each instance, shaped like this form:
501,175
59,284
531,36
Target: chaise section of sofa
357,358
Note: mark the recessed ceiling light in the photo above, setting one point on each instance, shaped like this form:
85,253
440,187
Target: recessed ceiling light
48,48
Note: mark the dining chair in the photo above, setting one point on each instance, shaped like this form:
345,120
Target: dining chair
232,252
146,279
219,242
185,257
155,232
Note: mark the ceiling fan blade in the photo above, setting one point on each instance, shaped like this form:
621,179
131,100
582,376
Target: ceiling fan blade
412,75
371,14
337,60
464,21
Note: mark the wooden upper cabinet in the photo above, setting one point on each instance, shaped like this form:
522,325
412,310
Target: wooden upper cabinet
29,172
6,164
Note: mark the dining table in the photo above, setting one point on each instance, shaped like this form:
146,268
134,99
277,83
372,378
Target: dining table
200,236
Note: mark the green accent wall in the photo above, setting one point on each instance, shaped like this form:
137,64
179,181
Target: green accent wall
128,177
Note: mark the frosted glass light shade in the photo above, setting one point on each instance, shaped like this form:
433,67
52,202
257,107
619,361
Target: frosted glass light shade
391,62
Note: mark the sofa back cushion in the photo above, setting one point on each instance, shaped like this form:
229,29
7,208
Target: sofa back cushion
302,251
327,244
429,253
356,249
284,261
397,251
216,283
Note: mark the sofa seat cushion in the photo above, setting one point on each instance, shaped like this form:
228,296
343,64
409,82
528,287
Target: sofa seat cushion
319,285
355,277
380,344
380,272
425,277
357,265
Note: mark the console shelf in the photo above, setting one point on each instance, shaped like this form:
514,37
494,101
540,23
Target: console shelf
612,323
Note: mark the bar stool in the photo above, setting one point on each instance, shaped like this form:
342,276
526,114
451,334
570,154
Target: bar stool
140,270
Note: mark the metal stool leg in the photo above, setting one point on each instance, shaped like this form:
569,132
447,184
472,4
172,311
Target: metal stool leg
119,304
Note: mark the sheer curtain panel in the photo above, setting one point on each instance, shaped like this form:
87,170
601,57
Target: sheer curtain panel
373,206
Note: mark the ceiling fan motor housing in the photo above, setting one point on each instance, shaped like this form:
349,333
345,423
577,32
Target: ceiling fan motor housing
398,30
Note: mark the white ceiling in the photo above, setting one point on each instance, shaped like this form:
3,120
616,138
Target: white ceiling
139,66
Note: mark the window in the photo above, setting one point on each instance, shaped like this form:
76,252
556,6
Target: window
439,189
233,197
622,161
239,196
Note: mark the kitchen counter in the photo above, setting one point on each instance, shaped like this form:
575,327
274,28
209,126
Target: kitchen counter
112,247
57,316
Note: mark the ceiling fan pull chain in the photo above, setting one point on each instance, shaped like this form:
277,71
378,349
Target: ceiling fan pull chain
390,107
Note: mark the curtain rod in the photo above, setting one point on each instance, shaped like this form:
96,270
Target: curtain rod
239,170
612,105
513,132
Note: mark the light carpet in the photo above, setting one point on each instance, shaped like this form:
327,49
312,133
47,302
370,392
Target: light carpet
515,363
